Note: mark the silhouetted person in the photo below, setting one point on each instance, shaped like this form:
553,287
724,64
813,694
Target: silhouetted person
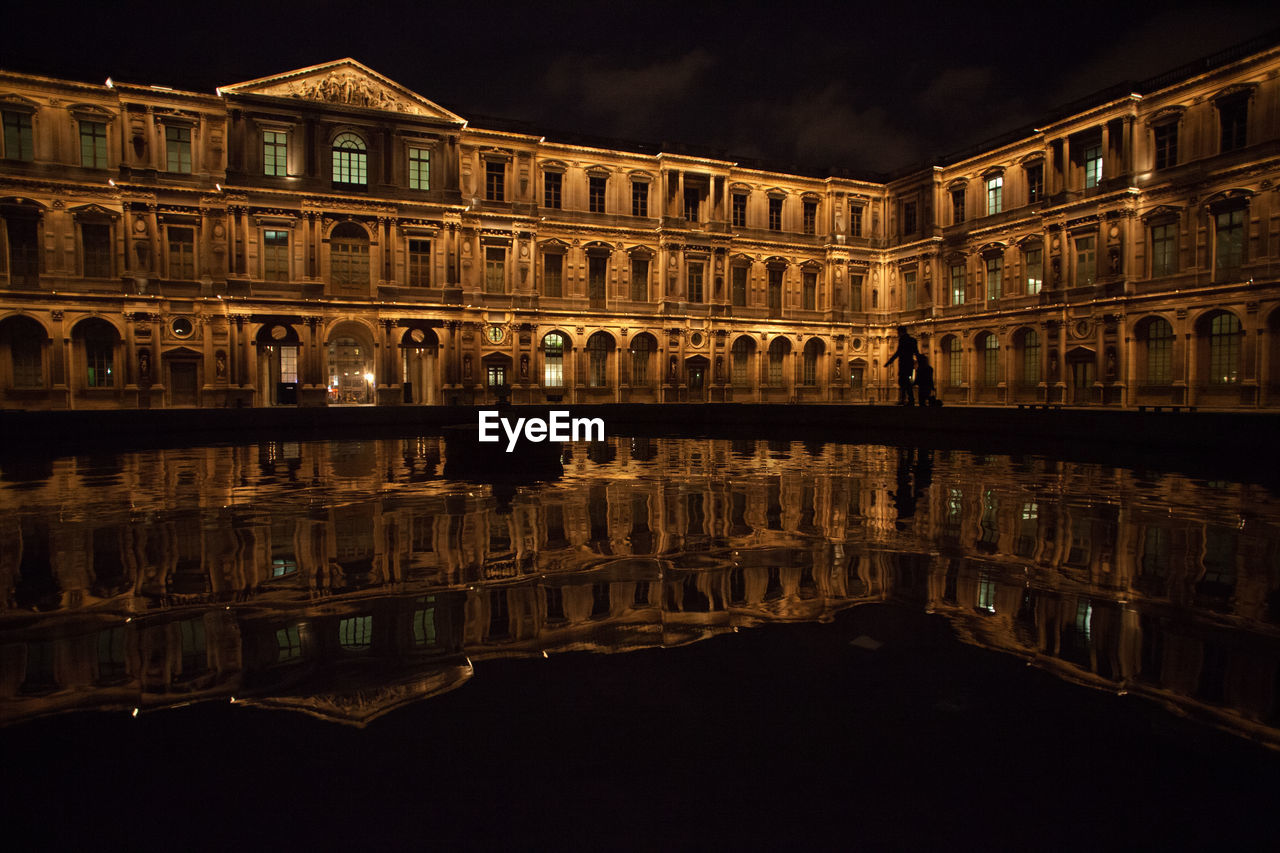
924,379
904,498
905,355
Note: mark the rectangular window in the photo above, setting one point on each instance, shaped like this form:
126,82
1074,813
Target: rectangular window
639,198
1164,249
597,276
738,289
1031,359
995,277
93,144
855,220
26,352
1035,183
909,223
182,253
1233,114
775,290
1159,354
275,255
495,181
419,168
1092,165
1166,145
551,185
495,270
909,290
275,152
552,275
995,194
695,281
955,371
97,250
775,367
1035,270
288,364
810,217
177,144
18,137
855,292
595,194
1229,255
1086,260
957,284
691,203
99,363
775,214
811,291
957,206
739,210
419,263
639,279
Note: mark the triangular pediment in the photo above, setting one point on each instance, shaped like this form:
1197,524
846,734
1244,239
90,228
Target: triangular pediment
343,83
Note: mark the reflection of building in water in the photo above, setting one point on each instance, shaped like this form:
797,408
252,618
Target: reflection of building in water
329,553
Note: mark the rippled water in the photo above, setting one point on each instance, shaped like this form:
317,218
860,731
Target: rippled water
347,578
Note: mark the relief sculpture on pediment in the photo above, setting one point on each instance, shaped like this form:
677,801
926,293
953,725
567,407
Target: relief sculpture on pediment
346,87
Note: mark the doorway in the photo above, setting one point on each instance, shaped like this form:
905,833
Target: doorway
1082,363
183,390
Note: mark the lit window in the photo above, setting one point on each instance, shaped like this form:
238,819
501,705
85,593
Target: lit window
1035,183
177,142
182,253
1166,138
419,168
1159,346
1224,349
639,279
775,214
355,634
97,250
552,274
695,281
419,263
1092,165
275,151
18,138
350,161
1230,241
495,274
1164,249
1086,260
495,181
553,346
275,255
738,286
739,210
595,194
1035,270
288,364
957,284
995,194
639,198
995,277
93,144
551,187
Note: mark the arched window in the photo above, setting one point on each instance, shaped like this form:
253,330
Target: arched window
740,360
350,161
641,353
598,347
1224,349
24,338
553,347
990,348
349,257
1159,345
812,351
777,354
100,339
1030,357
955,362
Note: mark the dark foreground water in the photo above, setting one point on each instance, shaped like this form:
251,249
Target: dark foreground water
730,641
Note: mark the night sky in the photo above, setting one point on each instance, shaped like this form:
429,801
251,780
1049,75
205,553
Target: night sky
863,88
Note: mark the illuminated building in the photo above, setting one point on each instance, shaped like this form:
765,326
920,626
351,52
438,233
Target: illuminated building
326,236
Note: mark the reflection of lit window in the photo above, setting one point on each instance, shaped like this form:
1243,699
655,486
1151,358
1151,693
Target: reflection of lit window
1084,618
424,623
288,643
989,524
986,593
355,633
281,566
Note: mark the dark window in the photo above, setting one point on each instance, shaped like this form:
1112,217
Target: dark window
97,250
495,181
810,217
595,190
24,250
177,142
775,214
597,273
551,183
1233,116
739,210
695,281
1164,249
909,223
349,257
1166,145
639,198
739,361
641,349
1034,259
775,290
275,255
552,275
93,144
957,206
995,277
419,263
99,351
855,292
1159,352
957,284
18,136
691,201
855,220
810,291
1224,349
598,347
738,276
495,269
1230,241
909,290
182,253
640,279
1035,183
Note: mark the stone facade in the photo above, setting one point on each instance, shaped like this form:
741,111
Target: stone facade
326,236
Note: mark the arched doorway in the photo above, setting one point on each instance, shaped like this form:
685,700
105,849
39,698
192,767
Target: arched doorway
418,349
1082,368
349,260
182,375
352,379
696,371
22,361
278,364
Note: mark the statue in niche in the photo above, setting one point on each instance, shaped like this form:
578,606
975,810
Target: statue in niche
837,370
1115,260
220,365
673,369
719,368
1053,366
524,367
1111,362
466,368
144,367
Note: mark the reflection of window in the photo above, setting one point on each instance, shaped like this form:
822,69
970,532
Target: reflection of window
1159,345
177,143
93,144
553,360
990,528
419,168
986,592
288,644
350,160
1224,349
424,622
552,267
274,153
355,633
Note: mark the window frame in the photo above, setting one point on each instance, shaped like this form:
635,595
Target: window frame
418,262
418,160
181,142
275,152
18,125
994,185
83,124
553,190
495,180
271,257
349,162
